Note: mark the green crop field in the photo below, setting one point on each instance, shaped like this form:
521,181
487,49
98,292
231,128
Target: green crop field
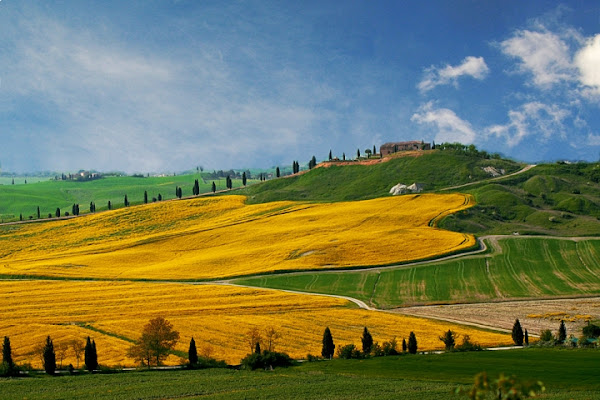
49,195
525,268
566,374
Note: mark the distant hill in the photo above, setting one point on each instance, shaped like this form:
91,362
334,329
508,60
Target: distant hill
435,169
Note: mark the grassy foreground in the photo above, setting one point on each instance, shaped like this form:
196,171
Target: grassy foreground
525,268
406,377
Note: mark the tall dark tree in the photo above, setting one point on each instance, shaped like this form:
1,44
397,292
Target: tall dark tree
57,212
126,201
277,172
228,182
193,353
7,354
526,340
90,356
196,188
214,187
159,197
244,178
21,217
75,209
92,207
257,348
344,156
38,213
49,357
109,205
412,343
562,332
367,341
357,153
449,339
145,197
374,150
328,348
404,346
517,333
330,156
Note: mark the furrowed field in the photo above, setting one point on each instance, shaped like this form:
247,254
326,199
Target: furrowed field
222,237
521,268
217,316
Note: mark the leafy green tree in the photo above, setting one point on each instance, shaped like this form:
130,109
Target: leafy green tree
328,348
546,336
49,357
517,333
367,341
562,332
368,153
449,339
7,355
193,353
412,343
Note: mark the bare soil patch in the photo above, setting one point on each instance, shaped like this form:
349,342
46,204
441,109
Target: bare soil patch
534,315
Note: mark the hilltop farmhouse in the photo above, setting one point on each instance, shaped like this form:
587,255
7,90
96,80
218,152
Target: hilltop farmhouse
394,147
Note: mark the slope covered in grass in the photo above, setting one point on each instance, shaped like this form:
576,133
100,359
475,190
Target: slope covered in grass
435,169
525,268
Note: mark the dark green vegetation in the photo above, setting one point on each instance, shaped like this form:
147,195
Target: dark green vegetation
407,377
524,268
436,169
550,199
50,194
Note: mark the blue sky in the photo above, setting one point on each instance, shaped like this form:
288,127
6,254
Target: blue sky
150,86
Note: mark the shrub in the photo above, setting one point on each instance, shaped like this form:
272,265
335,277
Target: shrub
546,336
467,345
349,351
267,359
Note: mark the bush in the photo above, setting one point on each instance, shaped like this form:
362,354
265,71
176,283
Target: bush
546,336
267,359
207,362
349,351
467,345
312,358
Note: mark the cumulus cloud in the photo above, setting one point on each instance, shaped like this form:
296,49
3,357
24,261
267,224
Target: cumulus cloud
474,67
449,127
546,55
587,61
531,119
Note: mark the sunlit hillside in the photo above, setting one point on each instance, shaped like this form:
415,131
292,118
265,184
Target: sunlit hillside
219,237
218,317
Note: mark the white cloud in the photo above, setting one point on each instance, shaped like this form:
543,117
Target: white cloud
587,61
531,119
593,140
449,127
543,54
474,67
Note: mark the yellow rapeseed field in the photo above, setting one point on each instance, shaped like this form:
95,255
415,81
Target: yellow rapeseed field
219,237
218,317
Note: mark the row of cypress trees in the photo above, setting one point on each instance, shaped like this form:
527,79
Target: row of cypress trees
9,368
328,349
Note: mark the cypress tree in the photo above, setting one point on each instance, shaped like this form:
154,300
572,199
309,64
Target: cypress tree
7,354
367,341
344,156
90,356
277,172
145,197
159,197
517,333
38,212
357,154
193,353
21,217
374,150
257,348
49,357
562,332
57,213
244,179
328,346
109,205
412,343
214,187
404,346
126,201
526,338
330,156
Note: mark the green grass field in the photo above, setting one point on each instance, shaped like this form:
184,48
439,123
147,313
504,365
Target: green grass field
50,194
526,268
567,374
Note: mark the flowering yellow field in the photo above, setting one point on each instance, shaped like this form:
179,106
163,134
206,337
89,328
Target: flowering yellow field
218,317
222,237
